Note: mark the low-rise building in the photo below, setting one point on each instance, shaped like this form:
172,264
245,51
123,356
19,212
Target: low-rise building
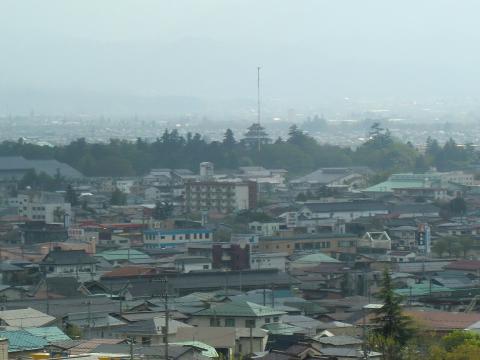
289,243
268,261
236,314
75,263
264,228
166,238
192,263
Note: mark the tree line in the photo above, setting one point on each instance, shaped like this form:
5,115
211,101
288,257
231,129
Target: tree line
298,153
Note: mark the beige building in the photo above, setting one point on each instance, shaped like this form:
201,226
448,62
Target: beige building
289,243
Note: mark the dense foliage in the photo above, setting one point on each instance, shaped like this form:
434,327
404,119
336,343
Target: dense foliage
299,153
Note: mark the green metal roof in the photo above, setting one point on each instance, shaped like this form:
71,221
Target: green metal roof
122,254
207,350
389,185
240,309
49,333
422,289
21,340
282,329
316,258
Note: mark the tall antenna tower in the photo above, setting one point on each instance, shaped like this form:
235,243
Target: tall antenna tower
258,94
258,104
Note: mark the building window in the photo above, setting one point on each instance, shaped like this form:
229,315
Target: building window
214,322
187,236
267,320
229,322
249,323
276,319
207,236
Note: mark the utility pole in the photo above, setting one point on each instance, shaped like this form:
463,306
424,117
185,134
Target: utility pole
47,294
251,340
273,295
166,318
264,295
131,348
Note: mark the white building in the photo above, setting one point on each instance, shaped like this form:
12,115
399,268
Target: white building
187,264
259,261
165,238
43,206
264,228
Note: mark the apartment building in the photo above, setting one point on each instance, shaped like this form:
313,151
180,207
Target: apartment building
220,196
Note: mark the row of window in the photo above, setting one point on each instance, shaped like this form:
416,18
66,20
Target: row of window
193,236
231,322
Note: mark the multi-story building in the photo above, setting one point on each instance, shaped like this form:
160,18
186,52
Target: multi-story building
43,206
168,238
289,243
220,196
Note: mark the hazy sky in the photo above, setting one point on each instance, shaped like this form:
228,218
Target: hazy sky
309,50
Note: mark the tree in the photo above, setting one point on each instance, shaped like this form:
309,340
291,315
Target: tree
466,244
391,322
163,210
440,247
71,196
229,139
118,197
457,206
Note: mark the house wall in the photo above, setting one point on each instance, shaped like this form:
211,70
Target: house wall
242,345
289,245
206,321
268,261
193,266
343,215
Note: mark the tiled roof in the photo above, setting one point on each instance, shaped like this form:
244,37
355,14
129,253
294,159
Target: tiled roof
464,265
49,333
68,257
240,309
339,340
129,271
122,254
21,340
328,207
25,317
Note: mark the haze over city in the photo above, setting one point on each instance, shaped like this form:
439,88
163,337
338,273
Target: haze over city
125,58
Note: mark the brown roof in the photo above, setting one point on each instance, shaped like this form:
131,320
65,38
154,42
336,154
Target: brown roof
129,271
464,265
88,345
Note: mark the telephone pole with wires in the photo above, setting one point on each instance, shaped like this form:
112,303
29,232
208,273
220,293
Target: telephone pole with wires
165,328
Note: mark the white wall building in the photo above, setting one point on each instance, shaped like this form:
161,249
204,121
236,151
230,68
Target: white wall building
43,206
260,261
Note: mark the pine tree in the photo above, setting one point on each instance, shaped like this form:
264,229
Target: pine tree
391,322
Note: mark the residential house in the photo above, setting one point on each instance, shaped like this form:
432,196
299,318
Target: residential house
187,263
69,263
269,228
344,210
402,256
352,177
23,318
228,342
150,331
119,257
236,314
93,324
